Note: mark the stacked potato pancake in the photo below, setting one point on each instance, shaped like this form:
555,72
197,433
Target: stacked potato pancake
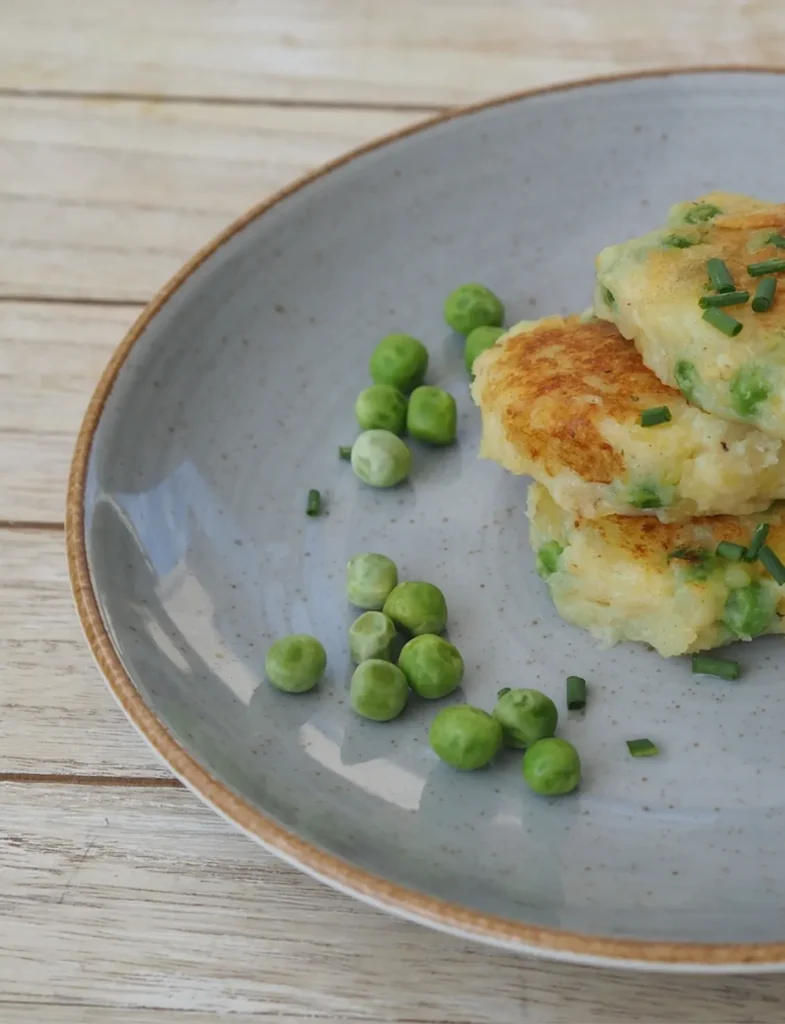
653,435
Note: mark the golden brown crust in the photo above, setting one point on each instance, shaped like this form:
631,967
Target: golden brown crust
554,384
648,540
730,237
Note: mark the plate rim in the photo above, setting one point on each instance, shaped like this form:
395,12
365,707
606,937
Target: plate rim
397,899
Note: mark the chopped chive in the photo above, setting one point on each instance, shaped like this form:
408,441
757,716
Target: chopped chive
722,668
678,242
642,748
576,693
772,564
774,266
764,294
727,324
501,693
653,417
759,535
314,506
776,240
345,452
719,275
733,552
723,299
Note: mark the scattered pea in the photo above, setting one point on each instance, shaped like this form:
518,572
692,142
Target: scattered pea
432,666
371,637
380,459
472,305
378,690
552,767
465,737
479,341
525,717
432,415
295,663
381,407
369,580
399,360
418,607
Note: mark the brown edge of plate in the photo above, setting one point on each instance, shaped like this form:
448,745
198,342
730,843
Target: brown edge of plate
444,915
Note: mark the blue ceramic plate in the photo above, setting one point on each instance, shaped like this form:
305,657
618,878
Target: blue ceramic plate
190,550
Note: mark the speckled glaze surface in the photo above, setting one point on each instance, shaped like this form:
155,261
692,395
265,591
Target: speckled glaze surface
190,550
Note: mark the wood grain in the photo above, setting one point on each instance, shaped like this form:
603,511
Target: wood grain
440,52
143,899
56,713
141,186
50,358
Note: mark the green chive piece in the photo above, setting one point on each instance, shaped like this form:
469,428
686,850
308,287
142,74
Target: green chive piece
759,535
722,668
724,299
642,748
501,693
764,294
719,275
774,266
776,240
772,564
678,242
576,693
314,506
345,452
733,552
653,417
727,324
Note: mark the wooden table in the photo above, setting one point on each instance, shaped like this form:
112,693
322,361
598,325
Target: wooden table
130,132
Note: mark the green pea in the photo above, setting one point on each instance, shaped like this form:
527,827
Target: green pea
749,611
479,341
749,388
295,663
381,407
552,767
381,459
369,580
378,690
472,305
432,415
525,717
371,636
399,360
465,737
687,379
432,666
644,496
699,213
548,558
418,607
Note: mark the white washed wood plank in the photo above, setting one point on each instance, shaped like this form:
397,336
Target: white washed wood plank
56,713
104,200
124,898
442,51
50,359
